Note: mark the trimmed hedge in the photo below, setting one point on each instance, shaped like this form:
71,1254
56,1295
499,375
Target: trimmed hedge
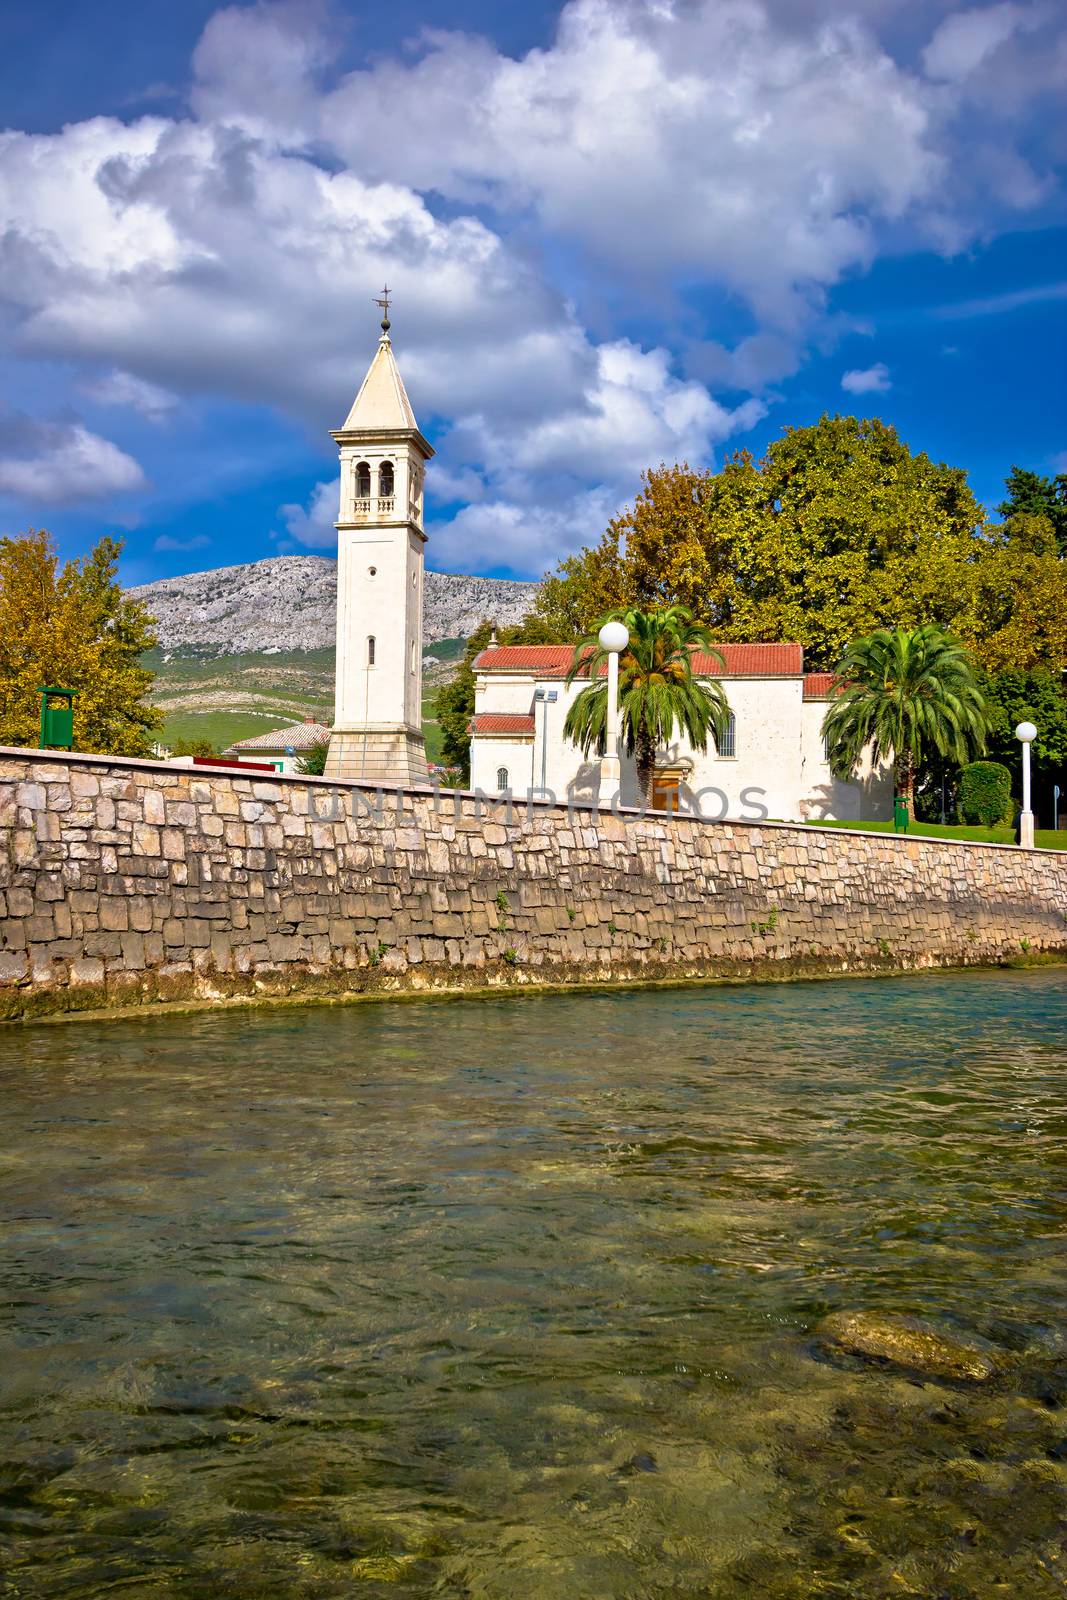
985,793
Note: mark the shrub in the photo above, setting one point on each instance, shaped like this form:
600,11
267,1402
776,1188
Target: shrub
985,793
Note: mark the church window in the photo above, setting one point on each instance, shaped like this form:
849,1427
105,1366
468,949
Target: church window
727,745
501,777
363,481
414,656
385,480
370,650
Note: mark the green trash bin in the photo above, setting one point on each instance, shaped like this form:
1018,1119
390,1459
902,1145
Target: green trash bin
57,722
900,815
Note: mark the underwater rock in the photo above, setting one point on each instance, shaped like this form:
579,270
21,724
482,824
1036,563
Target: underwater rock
642,1461
906,1342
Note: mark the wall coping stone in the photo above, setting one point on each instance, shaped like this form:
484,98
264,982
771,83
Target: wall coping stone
71,758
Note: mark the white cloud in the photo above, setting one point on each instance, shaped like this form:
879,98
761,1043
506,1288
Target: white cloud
660,139
123,389
166,543
46,463
313,526
996,305
867,380
727,146
966,39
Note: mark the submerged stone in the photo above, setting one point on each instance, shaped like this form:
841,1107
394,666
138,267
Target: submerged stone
642,1461
906,1342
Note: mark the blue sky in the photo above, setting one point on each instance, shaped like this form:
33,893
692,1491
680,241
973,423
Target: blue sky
617,231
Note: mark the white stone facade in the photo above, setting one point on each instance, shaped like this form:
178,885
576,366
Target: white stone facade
777,767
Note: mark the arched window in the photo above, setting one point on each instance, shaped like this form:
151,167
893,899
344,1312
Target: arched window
501,777
385,480
363,481
727,745
370,650
414,656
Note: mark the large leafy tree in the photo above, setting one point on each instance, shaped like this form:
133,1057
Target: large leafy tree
72,627
905,692
838,530
659,694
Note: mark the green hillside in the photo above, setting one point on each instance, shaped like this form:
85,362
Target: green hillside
226,698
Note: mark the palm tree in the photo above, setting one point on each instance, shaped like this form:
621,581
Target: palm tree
905,691
658,691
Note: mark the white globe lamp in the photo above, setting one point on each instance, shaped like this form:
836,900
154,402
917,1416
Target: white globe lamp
1026,733
613,636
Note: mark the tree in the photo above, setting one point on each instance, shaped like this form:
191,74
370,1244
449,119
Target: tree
1031,494
73,627
192,747
658,692
454,701
839,529
905,692
312,764
985,793
1013,598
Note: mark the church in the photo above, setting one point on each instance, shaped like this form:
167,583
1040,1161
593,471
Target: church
772,762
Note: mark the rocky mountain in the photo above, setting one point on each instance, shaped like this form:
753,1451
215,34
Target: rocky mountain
287,603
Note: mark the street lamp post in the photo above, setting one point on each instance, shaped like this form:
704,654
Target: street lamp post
1026,733
614,637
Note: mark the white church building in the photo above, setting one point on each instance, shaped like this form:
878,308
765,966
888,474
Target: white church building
772,762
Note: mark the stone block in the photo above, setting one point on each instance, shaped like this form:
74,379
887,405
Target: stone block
154,812
14,966
87,971
173,844
114,914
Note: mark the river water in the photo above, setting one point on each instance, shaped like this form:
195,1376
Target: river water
517,1298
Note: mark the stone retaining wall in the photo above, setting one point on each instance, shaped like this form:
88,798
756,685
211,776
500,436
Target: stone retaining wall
124,882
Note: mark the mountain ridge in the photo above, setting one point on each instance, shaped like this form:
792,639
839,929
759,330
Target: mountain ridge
288,603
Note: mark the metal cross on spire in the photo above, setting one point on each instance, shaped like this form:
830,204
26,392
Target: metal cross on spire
385,303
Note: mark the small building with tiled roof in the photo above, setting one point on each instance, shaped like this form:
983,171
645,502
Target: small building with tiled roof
772,762
282,748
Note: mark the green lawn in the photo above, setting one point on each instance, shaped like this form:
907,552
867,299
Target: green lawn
1044,838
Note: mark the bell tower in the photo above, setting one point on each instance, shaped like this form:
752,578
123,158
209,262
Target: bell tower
377,726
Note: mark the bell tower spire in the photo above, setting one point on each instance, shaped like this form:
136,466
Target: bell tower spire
377,731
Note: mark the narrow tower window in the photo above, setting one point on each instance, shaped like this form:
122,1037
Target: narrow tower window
385,480
501,777
363,481
370,650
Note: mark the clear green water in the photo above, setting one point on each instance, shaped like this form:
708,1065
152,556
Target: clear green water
409,1300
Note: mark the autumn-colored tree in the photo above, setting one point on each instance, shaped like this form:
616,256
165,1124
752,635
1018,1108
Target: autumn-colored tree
838,530
659,694
1013,598
72,627
905,692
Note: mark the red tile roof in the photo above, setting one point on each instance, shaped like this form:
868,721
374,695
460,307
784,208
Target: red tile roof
742,660
817,685
501,722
